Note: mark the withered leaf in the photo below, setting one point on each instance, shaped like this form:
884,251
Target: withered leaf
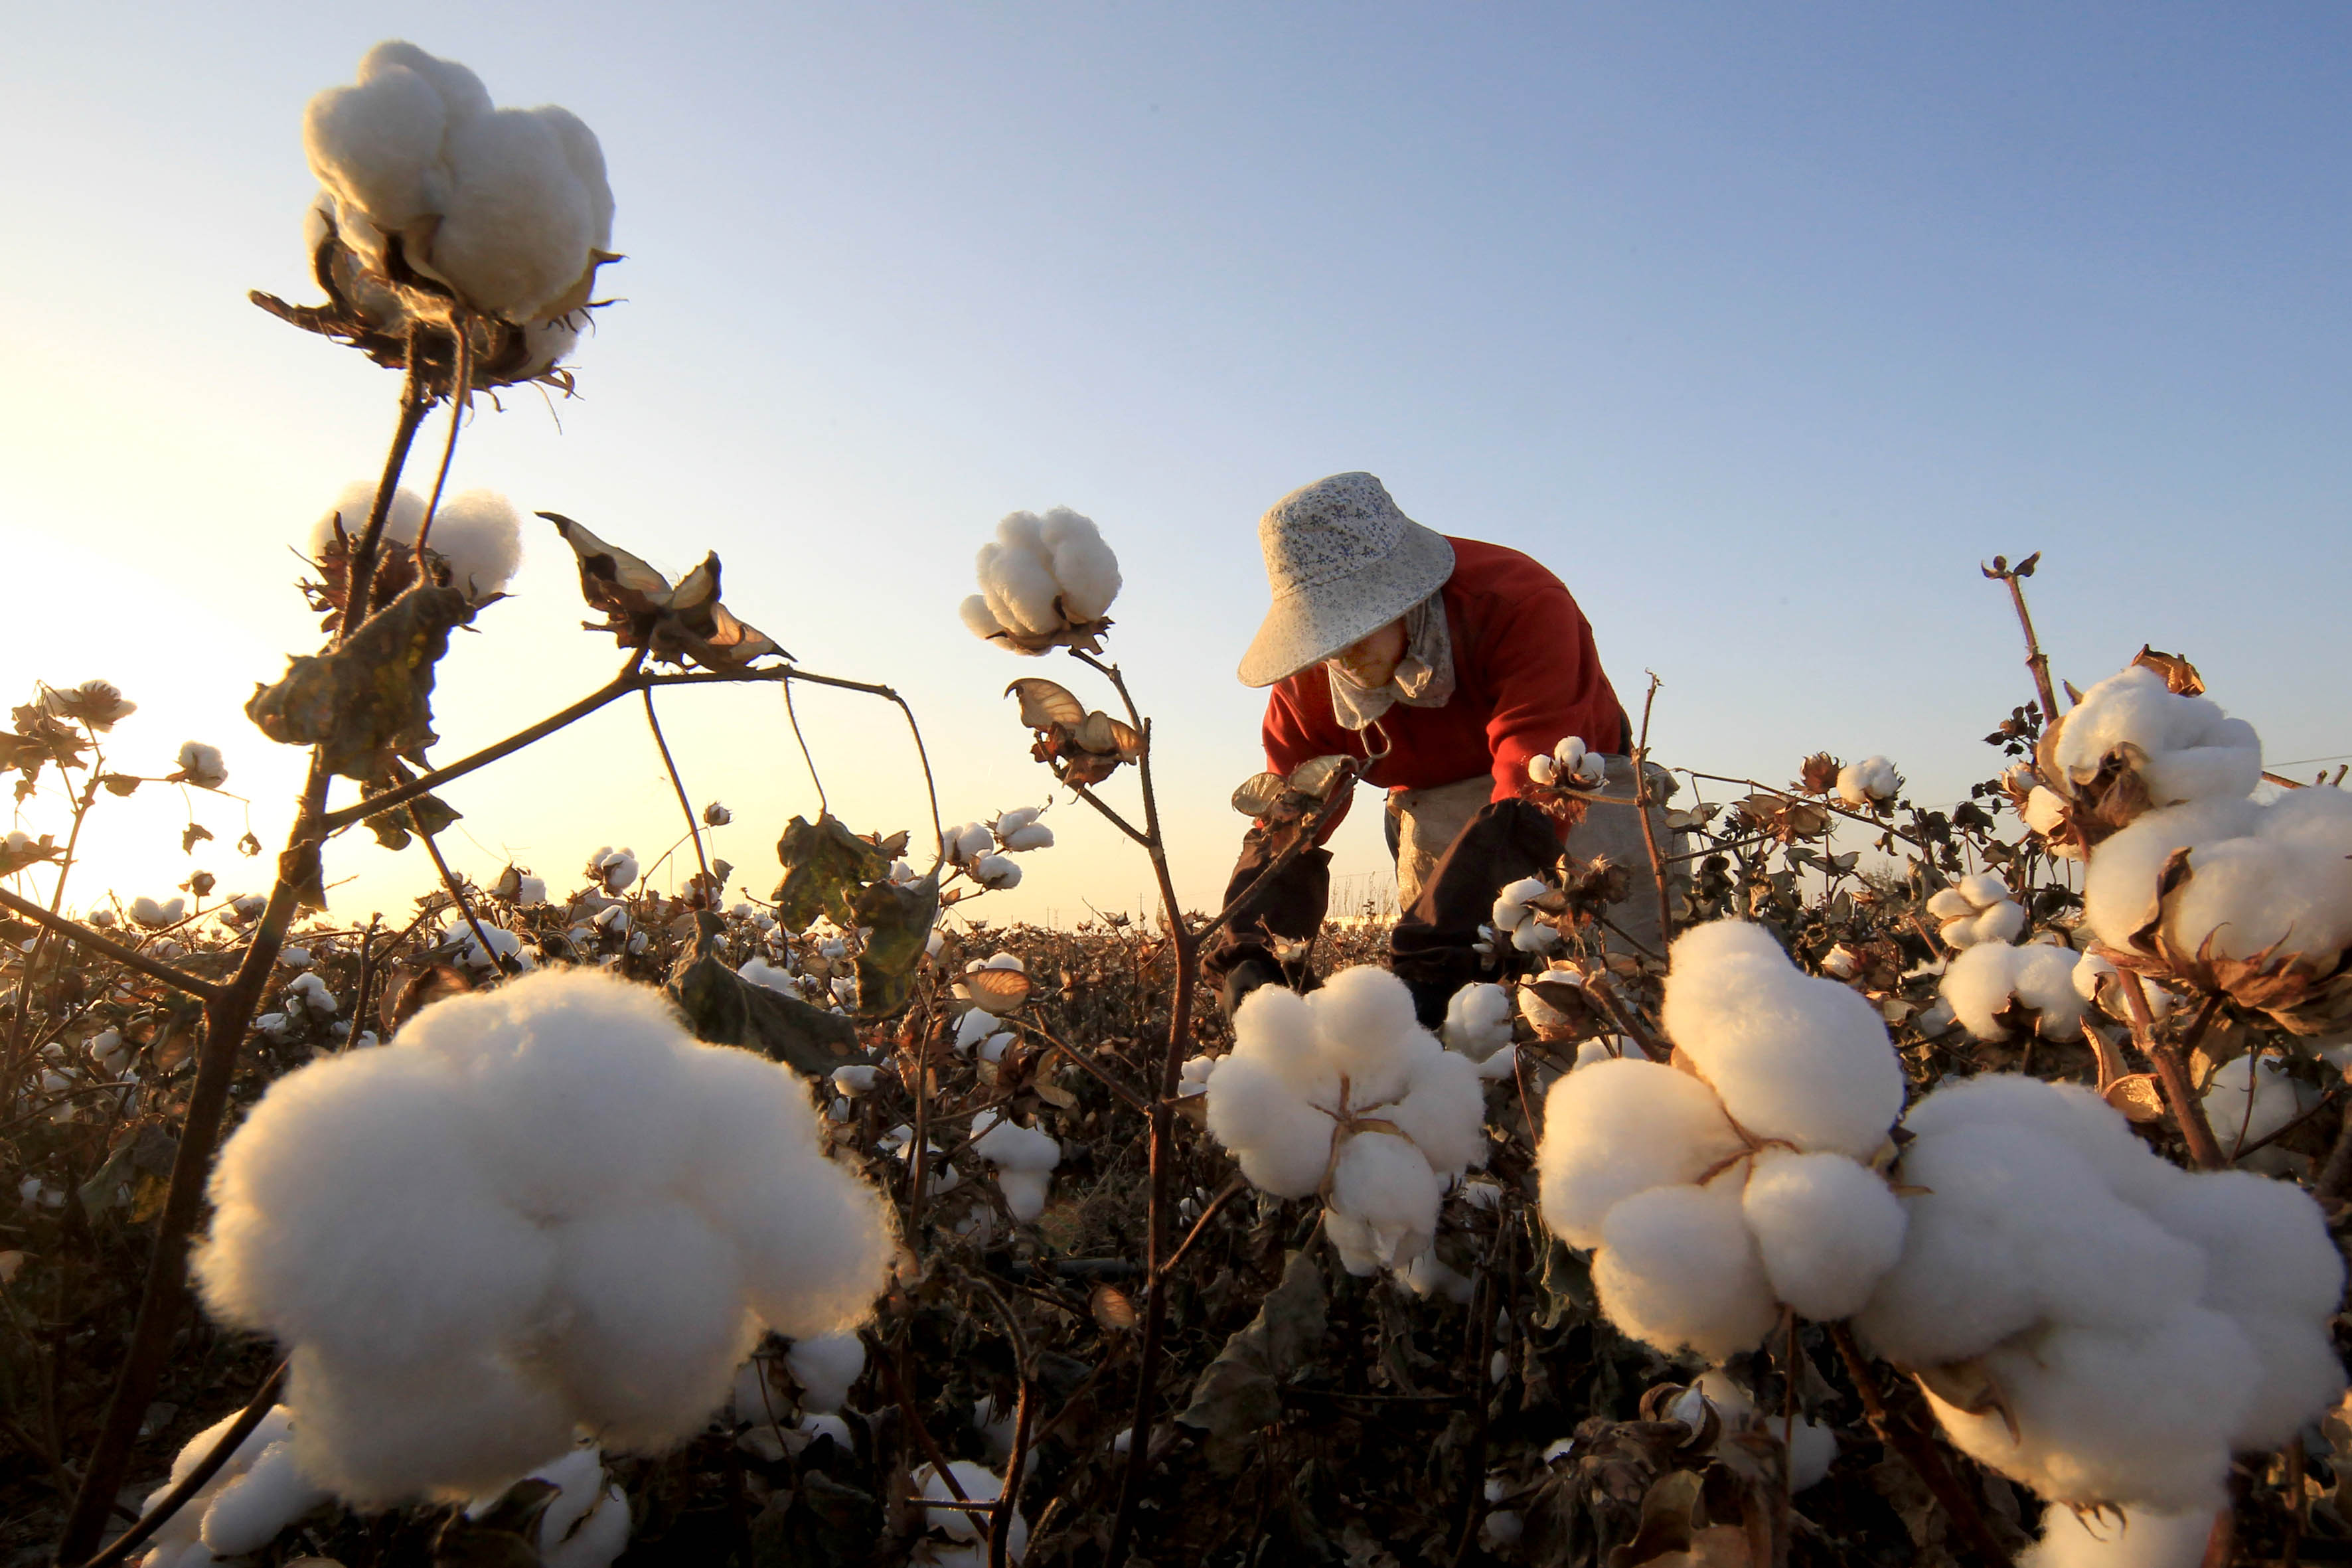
998,990
120,784
825,865
369,701
1240,1393
428,813
408,991
1258,793
901,916
1046,703
725,1009
678,625
195,832
1110,1307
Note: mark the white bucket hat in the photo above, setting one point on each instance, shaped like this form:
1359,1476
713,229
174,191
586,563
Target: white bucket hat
1343,561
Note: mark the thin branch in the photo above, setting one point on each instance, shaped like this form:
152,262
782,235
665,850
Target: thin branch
2013,578
129,957
159,1513
1126,1096
793,715
457,896
460,397
1917,1449
693,823
2172,1072
358,572
1642,809
1233,1188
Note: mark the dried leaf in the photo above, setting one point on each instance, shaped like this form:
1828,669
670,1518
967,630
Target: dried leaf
369,701
195,832
825,865
1240,1393
1046,703
1112,1308
2180,677
998,990
725,1009
901,916
1258,793
678,625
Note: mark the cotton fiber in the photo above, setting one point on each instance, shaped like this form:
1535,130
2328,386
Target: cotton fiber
1041,577
1569,766
539,1207
1022,1159
1478,1021
966,1545
507,207
1983,982
1678,1268
1344,1094
2183,748
2139,1538
586,1524
824,1365
1868,782
247,1503
1515,914
475,532
1977,909
201,765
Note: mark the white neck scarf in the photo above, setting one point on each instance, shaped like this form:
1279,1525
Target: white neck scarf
1424,677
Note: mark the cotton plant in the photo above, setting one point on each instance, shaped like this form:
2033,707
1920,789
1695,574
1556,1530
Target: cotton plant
443,201
1517,918
539,1207
1342,1094
1746,1174
476,533
1044,582
155,915
1021,1158
1868,783
247,1503
1976,909
2094,1322
1569,766
981,850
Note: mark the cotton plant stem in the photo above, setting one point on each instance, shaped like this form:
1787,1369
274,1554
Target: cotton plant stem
359,573
1233,1188
461,334
159,1513
1008,1494
2035,659
905,1399
456,891
1642,809
81,935
1918,1450
693,823
2172,1072
20,1030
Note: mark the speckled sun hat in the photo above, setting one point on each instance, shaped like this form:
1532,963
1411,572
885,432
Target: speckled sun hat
1343,561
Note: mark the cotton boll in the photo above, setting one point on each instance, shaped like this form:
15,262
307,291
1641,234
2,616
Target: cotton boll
1869,782
1284,1143
759,971
463,1426
1427,1275
978,618
2120,888
1826,1228
375,145
1384,1189
251,1509
1443,1111
1082,563
1621,1127
1793,1057
1542,769
1017,578
824,1366
2187,748
1035,836
2143,1538
515,229
978,1484
1677,1269
1983,979
1275,1028
203,764
995,872
1364,1022
2250,1099
2285,878
585,157
477,533
1812,1449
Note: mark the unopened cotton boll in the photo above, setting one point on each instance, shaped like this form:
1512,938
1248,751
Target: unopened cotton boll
1826,1229
1868,782
1478,1021
540,1207
1977,909
1621,1126
1792,1056
1983,982
1678,1268
825,1366
2183,748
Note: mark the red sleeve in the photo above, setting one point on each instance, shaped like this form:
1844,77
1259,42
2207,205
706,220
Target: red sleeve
1292,738
1548,683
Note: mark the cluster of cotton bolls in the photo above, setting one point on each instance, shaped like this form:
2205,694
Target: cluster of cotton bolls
1342,1093
1021,1158
475,532
540,1206
2184,748
958,1538
822,1368
1976,909
979,849
507,207
978,1030
2056,984
154,916
613,871
1516,919
1743,1177
1569,766
2113,1326
256,1494
1041,580
1868,782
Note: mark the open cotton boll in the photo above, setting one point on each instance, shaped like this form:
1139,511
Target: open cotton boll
1984,979
1082,563
2119,890
203,764
350,514
1868,781
1022,1157
452,1429
1017,577
825,1366
978,618
1384,1208
1443,1111
1976,910
252,1520
476,532
1792,1056
1826,1228
1619,1127
759,971
1678,1269
1275,1028
2183,748
1366,1028
2250,1099
2142,1537
978,1484
1284,1143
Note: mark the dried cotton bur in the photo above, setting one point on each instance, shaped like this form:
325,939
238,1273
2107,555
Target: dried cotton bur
539,1208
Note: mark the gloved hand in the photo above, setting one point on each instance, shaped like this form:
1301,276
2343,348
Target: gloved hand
1432,947
1289,906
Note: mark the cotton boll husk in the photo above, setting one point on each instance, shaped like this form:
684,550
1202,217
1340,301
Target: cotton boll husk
1275,1028
1793,1057
1083,564
1443,1111
1382,1182
515,233
462,1426
824,1365
1621,1126
2099,1422
1826,1228
477,533
657,1322
350,1211
2120,888
1677,1269
248,1512
1365,1026
2142,1539
2271,1265
1283,1142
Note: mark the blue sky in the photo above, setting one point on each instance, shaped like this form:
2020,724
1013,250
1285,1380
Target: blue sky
1761,325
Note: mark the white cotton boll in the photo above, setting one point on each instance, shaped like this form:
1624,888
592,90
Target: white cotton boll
1382,1183
1983,979
978,1484
2120,888
463,96
1868,781
1535,937
1082,563
1365,1027
1677,1269
978,618
2094,1426
759,971
477,533
2189,749
1035,836
1443,1111
854,1081
515,229
1792,1056
2044,809
996,873
824,1366
1025,1192
995,1423
1427,1275
464,1427
1013,1147
530,892
350,514
1621,1127
1283,1142
2250,1099
1017,577
1812,1449
1511,911
969,842
2142,1537
203,764
1542,769
658,1322
1826,1228
376,145
1192,1077
2260,875
249,1510
1478,1021
975,1025
585,157
154,916
1276,1030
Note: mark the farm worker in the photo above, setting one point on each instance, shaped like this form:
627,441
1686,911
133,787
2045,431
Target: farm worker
1451,663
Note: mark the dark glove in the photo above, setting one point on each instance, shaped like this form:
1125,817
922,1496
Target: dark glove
1289,905
1433,946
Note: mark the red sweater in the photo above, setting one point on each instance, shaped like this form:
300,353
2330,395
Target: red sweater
1525,676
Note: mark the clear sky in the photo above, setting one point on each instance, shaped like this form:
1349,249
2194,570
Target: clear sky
1762,325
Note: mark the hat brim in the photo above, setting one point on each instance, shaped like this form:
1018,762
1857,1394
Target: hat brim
1310,624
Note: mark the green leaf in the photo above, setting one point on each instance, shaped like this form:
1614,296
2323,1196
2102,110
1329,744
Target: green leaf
1240,1392
370,701
824,864
725,1009
901,918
